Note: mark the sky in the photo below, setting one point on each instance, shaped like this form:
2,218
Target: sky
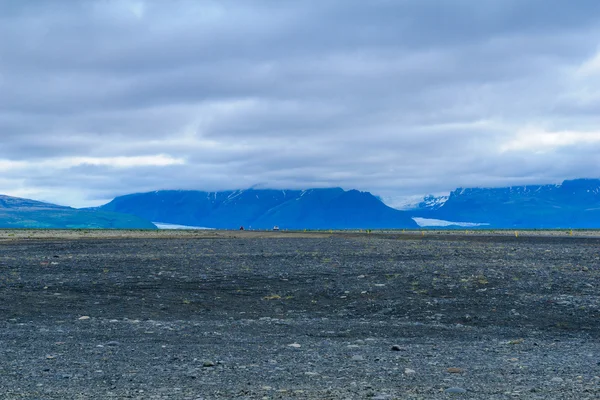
401,98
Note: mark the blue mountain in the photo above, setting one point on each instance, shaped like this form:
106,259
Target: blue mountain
24,213
572,204
331,208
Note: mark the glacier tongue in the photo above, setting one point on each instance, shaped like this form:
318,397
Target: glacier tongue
429,222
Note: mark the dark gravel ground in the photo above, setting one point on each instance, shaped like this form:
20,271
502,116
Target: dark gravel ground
497,317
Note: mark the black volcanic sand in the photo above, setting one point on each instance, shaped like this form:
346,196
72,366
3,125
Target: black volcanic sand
190,317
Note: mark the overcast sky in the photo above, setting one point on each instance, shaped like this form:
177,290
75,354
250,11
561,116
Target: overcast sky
397,97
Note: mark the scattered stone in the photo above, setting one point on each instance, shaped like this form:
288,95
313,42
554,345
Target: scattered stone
382,396
113,343
294,345
409,371
397,348
358,358
207,364
455,370
557,380
83,318
455,390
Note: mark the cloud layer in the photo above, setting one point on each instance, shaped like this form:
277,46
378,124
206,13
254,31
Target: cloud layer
101,98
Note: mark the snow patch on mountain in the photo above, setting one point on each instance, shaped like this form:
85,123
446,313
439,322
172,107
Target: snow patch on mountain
433,202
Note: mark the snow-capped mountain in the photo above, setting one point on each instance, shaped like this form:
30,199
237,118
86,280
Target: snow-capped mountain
572,204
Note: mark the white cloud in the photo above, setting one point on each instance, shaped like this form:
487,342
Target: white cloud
538,140
590,67
159,160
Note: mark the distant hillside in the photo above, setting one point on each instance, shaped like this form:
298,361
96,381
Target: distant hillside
572,204
24,213
331,208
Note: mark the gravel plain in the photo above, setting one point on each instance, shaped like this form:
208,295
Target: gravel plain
278,315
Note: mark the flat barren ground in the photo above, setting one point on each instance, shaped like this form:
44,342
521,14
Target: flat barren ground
218,315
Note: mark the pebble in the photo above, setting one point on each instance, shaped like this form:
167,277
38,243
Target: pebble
557,380
208,364
358,358
84,318
295,345
113,343
455,370
456,390
397,348
409,371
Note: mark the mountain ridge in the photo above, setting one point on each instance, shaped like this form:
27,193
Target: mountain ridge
327,208
571,204
16,212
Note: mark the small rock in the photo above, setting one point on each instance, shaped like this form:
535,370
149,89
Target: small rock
83,318
409,371
557,380
455,370
208,364
456,390
358,358
294,345
113,343
397,348
381,397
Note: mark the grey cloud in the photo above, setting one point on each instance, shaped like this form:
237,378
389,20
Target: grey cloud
397,97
